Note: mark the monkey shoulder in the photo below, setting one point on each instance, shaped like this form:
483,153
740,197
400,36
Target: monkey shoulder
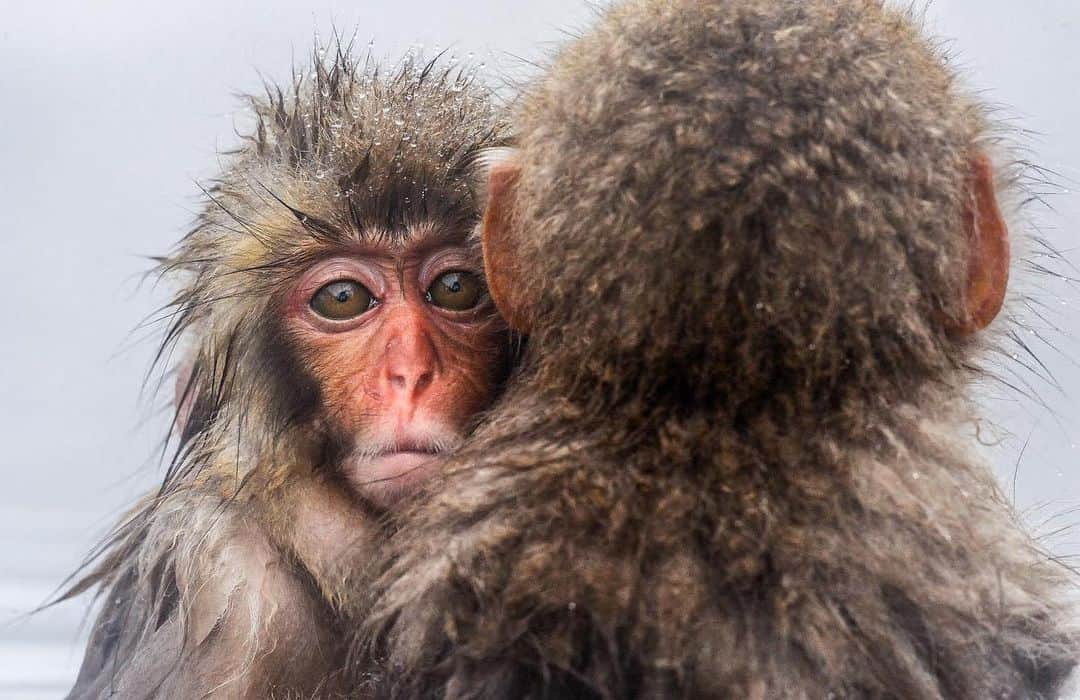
208,603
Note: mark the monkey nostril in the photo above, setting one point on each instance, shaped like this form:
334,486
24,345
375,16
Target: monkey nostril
411,381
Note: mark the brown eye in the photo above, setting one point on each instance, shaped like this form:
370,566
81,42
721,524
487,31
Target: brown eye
456,291
342,300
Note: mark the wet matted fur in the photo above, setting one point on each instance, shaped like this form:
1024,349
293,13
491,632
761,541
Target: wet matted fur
345,151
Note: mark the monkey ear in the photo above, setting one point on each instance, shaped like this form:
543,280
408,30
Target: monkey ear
500,259
988,254
487,160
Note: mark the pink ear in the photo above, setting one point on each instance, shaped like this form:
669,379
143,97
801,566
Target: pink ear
988,256
500,260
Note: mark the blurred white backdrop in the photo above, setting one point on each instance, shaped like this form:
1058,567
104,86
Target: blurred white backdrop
111,110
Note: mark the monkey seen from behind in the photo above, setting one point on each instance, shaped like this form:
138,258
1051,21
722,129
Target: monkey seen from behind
754,244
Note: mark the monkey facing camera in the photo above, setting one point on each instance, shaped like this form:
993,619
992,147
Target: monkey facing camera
336,336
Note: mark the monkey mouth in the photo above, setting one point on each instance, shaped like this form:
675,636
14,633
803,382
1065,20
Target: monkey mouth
405,463
410,447
396,472
385,468
384,473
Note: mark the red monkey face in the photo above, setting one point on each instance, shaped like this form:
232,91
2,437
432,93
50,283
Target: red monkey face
406,348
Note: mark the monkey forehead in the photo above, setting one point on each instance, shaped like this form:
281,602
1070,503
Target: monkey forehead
350,117
354,149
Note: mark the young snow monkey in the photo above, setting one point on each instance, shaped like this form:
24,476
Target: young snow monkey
336,336
754,245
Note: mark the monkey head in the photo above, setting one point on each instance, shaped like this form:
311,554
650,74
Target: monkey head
748,226
333,287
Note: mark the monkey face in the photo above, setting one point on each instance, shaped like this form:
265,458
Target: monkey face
403,342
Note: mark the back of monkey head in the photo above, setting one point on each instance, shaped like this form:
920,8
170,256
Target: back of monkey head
750,201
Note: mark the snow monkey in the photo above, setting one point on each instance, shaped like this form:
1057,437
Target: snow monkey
754,245
336,335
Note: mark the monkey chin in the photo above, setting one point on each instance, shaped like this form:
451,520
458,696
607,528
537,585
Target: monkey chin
395,470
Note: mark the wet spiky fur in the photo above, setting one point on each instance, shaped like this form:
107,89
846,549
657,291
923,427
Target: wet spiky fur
344,152
735,462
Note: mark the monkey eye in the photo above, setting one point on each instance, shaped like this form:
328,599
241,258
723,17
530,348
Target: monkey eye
455,291
342,300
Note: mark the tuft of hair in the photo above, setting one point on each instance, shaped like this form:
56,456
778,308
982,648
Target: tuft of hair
736,460
346,151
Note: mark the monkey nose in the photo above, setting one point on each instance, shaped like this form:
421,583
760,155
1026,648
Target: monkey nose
410,380
410,367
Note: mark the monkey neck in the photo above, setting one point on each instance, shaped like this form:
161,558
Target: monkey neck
678,398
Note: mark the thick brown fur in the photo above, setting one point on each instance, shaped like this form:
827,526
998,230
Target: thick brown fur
203,593
735,462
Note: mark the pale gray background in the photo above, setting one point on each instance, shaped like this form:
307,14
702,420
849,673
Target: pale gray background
110,110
